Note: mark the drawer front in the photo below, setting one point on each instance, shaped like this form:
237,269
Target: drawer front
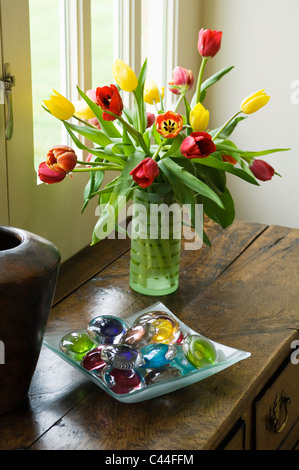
277,410
235,440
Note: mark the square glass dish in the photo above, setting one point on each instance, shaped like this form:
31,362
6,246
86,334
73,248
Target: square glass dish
225,357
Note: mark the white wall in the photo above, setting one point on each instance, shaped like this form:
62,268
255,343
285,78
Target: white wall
261,38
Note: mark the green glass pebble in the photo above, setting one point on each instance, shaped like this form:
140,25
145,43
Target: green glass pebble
199,351
76,344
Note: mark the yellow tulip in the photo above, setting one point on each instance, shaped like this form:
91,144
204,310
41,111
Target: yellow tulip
124,76
60,106
199,118
82,110
151,92
254,102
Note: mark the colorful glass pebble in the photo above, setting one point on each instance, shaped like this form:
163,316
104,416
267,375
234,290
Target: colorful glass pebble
157,355
123,381
122,356
76,344
93,360
139,335
167,328
181,361
106,329
199,351
159,375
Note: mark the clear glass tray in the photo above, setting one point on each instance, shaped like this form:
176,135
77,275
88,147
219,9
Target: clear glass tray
226,356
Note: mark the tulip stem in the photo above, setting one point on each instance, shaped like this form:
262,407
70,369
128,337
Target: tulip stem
161,145
224,125
84,122
199,80
98,168
82,162
179,101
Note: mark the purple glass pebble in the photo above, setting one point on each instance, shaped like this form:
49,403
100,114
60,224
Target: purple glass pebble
106,329
122,356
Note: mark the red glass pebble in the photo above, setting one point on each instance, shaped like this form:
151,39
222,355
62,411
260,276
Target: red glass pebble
93,361
123,381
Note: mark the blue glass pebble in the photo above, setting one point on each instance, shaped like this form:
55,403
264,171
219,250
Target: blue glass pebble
157,355
181,361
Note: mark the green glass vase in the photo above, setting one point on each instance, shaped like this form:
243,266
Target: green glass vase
155,241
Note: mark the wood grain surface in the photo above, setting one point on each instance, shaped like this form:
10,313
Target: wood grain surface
242,292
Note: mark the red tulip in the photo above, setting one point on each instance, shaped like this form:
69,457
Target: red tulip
262,170
109,99
145,172
198,145
150,119
46,175
209,42
182,79
61,158
228,159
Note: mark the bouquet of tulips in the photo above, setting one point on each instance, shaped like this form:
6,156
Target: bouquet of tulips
162,147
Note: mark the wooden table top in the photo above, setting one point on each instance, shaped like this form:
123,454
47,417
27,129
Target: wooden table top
242,292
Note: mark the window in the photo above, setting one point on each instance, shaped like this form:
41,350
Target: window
68,42
102,45
45,43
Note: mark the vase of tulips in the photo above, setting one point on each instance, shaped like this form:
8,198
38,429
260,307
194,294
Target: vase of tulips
164,158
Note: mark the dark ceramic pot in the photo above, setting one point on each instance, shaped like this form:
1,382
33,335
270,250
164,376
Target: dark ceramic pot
28,273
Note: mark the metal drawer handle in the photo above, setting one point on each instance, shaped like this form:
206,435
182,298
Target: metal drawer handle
278,415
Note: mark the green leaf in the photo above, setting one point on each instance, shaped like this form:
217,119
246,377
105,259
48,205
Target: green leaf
98,153
95,135
94,182
223,217
215,78
245,153
214,162
187,110
185,196
128,147
209,82
228,129
189,180
139,98
116,200
214,178
174,149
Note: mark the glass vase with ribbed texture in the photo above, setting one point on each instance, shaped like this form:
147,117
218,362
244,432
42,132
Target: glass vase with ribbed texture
155,241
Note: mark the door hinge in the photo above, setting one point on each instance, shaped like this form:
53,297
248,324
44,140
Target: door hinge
6,97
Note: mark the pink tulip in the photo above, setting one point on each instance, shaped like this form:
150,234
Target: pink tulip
182,80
